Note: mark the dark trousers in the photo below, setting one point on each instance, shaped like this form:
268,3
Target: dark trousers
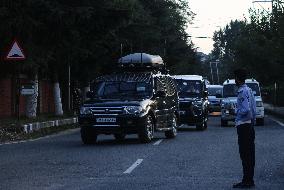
246,136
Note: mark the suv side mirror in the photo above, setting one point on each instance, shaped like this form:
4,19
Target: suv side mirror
218,96
161,94
90,94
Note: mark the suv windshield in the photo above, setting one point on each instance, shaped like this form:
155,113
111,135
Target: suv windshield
255,88
123,89
189,88
214,91
230,90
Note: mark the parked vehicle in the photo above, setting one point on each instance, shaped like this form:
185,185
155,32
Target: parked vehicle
193,101
215,94
229,101
139,99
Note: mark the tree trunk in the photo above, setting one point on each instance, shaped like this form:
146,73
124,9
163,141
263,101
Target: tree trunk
57,100
31,105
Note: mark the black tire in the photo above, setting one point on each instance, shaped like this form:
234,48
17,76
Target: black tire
224,123
173,132
205,125
202,126
119,137
88,136
260,121
146,134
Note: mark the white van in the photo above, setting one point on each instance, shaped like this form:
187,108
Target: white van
229,101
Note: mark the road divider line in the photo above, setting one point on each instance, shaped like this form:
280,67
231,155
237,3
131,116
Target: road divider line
280,123
158,142
131,168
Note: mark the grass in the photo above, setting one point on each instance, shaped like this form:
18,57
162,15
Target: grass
13,121
8,136
11,130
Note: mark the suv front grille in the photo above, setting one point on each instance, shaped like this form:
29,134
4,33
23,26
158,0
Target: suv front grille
185,105
107,110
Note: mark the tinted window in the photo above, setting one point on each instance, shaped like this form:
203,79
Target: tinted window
214,91
170,86
255,88
123,89
189,88
230,90
159,84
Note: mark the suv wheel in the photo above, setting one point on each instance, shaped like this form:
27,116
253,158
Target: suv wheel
173,132
147,132
88,136
203,125
224,123
119,137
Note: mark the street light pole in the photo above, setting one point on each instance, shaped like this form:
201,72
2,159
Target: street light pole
69,86
217,62
211,72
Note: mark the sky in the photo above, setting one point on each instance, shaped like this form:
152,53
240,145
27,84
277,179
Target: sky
213,14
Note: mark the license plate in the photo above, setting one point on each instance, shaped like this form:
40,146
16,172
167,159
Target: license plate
182,112
106,120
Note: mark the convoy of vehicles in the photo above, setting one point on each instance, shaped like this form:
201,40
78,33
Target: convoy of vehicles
215,94
139,99
229,101
193,101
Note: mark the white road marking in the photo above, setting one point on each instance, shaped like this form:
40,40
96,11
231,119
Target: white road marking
45,137
280,123
131,168
158,142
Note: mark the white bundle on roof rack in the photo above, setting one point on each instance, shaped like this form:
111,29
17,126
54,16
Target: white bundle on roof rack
141,58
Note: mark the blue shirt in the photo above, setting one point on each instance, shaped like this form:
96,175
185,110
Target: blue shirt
246,106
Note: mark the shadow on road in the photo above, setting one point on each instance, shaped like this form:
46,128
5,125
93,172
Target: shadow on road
188,129
126,141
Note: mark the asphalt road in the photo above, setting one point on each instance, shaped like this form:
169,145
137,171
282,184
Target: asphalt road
193,160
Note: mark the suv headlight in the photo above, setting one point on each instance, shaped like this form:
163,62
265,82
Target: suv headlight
259,104
133,109
85,110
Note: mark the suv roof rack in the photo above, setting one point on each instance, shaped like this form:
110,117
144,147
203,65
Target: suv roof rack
141,62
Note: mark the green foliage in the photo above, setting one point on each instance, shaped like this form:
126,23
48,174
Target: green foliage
88,34
257,45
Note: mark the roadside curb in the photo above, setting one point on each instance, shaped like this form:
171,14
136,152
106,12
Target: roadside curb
276,111
31,127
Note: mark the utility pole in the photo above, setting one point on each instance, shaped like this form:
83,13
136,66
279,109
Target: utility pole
121,50
215,64
211,72
69,85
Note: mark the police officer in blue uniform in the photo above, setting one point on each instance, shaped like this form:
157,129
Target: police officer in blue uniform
245,120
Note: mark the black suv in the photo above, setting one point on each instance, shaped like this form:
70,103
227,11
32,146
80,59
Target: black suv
139,99
193,100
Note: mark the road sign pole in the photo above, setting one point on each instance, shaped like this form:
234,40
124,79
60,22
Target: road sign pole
18,87
16,53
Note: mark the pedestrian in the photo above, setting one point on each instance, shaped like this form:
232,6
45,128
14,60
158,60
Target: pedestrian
245,120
